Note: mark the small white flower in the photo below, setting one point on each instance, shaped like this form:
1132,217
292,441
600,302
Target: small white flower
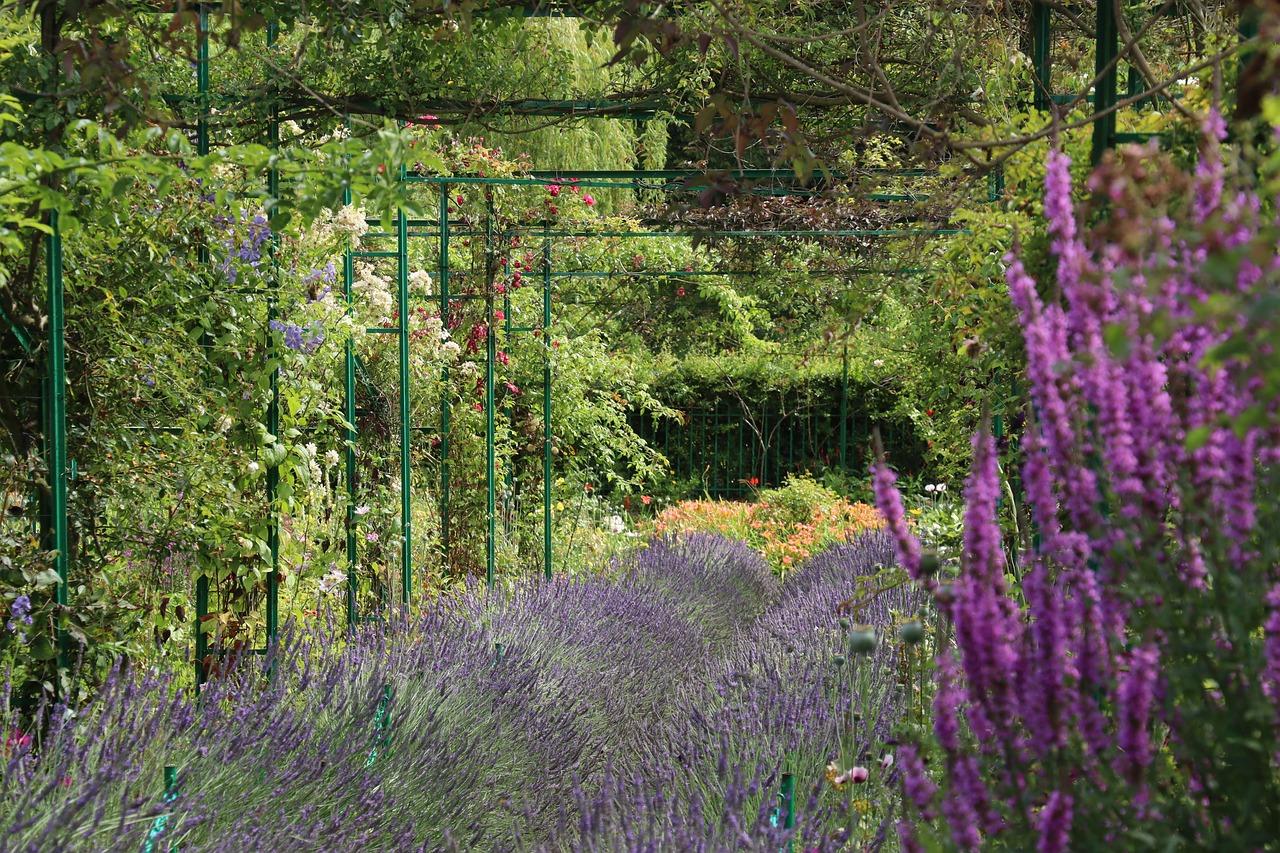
363,509
942,487
879,362
886,760
253,467
616,524
331,457
930,488
309,450
333,580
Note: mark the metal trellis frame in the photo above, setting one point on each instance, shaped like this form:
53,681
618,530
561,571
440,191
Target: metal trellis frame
55,521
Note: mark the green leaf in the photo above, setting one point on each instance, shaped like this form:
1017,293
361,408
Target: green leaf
45,578
1198,437
121,186
42,649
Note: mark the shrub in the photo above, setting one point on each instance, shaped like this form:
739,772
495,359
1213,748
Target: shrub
786,525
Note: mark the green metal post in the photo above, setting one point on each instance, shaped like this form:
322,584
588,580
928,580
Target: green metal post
444,378
273,409
1040,55
406,485
349,411
1106,47
381,726
509,473
844,407
741,416
57,533
202,90
546,404
491,355
789,800
792,421
202,257
1247,27
161,824
202,639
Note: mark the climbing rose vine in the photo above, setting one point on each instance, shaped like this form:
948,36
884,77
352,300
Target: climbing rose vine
1123,692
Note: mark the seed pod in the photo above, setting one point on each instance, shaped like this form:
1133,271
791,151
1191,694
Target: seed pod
862,641
911,633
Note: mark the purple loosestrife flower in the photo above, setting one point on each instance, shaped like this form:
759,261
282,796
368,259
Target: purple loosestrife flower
1055,824
1209,169
948,699
907,838
889,502
1271,649
1087,302
1091,656
1047,669
987,625
1044,331
916,784
1136,694
961,805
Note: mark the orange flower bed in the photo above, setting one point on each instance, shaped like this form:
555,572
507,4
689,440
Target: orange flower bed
773,530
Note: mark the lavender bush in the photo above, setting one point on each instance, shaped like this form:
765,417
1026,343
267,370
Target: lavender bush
718,584
1126,694
466,728
623,653
600,713
802,691
390,741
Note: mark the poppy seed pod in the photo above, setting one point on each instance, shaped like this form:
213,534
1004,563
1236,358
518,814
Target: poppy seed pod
911,633
862,641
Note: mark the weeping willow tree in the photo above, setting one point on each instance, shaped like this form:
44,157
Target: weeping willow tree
579,57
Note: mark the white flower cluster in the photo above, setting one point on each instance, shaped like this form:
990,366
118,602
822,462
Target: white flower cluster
440,344
308,453
351,220
936,488
372,290
420,281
